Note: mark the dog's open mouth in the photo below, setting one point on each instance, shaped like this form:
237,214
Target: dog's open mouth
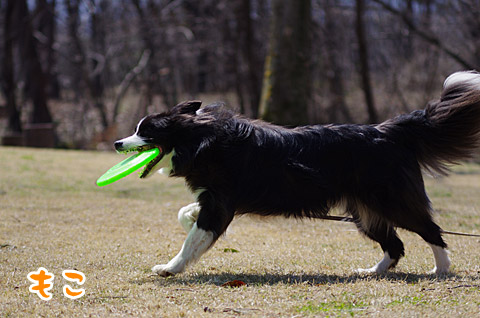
138,149
151,166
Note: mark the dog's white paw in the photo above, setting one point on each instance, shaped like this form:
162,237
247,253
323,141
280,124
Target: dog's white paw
379,268
442,261
163,270
442,270
371,270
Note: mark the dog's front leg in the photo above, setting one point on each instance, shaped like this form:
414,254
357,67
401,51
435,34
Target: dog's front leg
188,215
198,241
213,219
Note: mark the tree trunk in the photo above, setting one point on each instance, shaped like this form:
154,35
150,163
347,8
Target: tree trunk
46,24
34,76
76,51
335,71
364,65
98,33
14,125
286,91
408,38
148,43
245,48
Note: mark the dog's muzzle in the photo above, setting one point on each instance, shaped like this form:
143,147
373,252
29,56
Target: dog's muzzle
131,144
118,146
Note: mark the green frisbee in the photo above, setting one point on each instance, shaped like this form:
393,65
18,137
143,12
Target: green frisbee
128,166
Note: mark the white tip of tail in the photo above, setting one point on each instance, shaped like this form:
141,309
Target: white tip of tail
471,78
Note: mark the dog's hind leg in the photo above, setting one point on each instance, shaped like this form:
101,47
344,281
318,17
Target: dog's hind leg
442,261
392,248
380,231
188,215
431,233
213,220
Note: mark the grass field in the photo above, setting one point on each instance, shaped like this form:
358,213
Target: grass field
52,215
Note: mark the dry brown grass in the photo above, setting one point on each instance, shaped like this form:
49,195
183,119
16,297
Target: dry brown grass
53,215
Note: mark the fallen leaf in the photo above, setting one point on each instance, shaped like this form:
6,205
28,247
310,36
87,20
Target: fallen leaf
234,283
206,309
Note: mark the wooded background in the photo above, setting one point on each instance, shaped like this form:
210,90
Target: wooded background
80,73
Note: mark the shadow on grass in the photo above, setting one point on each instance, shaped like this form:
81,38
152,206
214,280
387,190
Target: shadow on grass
255,279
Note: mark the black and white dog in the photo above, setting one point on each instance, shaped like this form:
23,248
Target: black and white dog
235,165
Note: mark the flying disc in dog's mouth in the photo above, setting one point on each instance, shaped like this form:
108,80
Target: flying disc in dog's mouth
150,166
148,157
139,149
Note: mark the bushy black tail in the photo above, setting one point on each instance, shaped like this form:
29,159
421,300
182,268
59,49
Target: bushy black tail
447,130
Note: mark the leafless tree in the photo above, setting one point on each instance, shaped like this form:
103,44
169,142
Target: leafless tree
14,125
286,85
364,62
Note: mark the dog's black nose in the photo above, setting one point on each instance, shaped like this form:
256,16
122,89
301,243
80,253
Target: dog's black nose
118,145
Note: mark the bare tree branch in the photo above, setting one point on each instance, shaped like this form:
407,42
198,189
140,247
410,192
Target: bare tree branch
430,38
128,79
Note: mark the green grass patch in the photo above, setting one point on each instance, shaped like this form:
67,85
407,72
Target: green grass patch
410,300
333,308
230,250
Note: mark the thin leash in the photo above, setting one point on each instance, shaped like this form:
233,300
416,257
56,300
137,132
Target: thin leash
459,233
350,220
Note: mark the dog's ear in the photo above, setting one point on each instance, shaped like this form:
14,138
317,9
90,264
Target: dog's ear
187,107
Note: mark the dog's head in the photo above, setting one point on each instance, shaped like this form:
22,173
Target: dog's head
158,131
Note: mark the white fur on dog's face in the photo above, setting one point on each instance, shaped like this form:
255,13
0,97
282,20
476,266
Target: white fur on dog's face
132,142
137,143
